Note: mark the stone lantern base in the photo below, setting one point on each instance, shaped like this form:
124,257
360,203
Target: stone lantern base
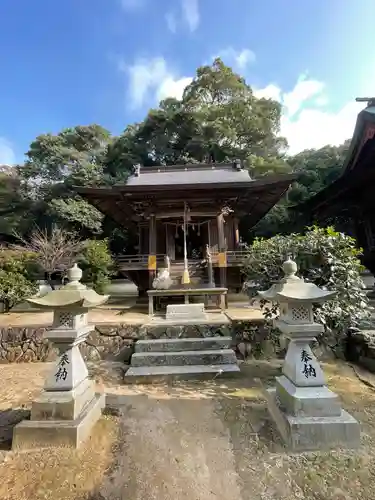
311,418
60,419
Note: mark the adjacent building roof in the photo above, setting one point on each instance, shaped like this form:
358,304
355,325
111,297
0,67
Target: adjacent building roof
364,130
357,170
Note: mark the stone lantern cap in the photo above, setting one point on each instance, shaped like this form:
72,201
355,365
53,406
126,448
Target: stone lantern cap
73,294
294,289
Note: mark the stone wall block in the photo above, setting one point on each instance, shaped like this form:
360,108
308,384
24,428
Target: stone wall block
116,342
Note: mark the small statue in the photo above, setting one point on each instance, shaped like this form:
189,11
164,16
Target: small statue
237,165
162,281
137,170
208,254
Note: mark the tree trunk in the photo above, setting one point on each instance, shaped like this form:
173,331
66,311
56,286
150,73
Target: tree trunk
48,277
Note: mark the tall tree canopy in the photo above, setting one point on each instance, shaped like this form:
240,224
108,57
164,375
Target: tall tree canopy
218,118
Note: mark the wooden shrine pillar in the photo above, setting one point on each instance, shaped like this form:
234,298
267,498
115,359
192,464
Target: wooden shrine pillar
222,257
152,249
140,242
236,233
170,242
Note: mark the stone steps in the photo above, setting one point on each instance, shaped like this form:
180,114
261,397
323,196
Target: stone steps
181,358
188,344
207,357
150,374
196,272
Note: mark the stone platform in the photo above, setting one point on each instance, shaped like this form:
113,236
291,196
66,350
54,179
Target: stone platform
123,314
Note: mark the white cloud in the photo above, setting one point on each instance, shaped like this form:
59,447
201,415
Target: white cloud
151,80
239,59
270,92
171,21
190,11
172,87
303,92
307,122
7,155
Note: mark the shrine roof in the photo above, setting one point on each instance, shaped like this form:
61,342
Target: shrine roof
163,189
189,175
356,168
364,125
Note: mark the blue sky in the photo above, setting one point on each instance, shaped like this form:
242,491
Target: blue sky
71,62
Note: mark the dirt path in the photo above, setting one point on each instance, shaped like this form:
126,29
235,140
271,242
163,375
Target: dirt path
173,450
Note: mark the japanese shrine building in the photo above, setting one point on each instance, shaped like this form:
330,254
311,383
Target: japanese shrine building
212,198
352,194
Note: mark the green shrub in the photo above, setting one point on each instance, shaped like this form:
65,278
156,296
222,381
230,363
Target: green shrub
19,261
325,257
17,277
97,264
15,288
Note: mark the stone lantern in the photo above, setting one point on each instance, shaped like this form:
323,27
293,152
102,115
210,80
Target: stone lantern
68,407
308,415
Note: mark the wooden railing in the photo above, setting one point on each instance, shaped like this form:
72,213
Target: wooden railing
234,258
137,261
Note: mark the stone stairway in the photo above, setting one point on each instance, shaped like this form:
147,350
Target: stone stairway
181,358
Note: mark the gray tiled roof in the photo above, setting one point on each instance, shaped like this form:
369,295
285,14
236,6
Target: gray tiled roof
190,174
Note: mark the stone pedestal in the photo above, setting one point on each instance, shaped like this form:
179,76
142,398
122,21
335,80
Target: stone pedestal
308,433
68,407
307,414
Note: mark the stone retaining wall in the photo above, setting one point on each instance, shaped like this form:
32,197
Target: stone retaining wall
360,349
116,342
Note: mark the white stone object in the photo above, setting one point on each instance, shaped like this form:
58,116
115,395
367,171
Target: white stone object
163,280
193,312
307,414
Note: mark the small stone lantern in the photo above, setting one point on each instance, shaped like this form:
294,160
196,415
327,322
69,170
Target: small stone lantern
308,414
68,407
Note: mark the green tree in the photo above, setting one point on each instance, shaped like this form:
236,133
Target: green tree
17,277
12,203
56,163
233,122
218,118
315,169
97,264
